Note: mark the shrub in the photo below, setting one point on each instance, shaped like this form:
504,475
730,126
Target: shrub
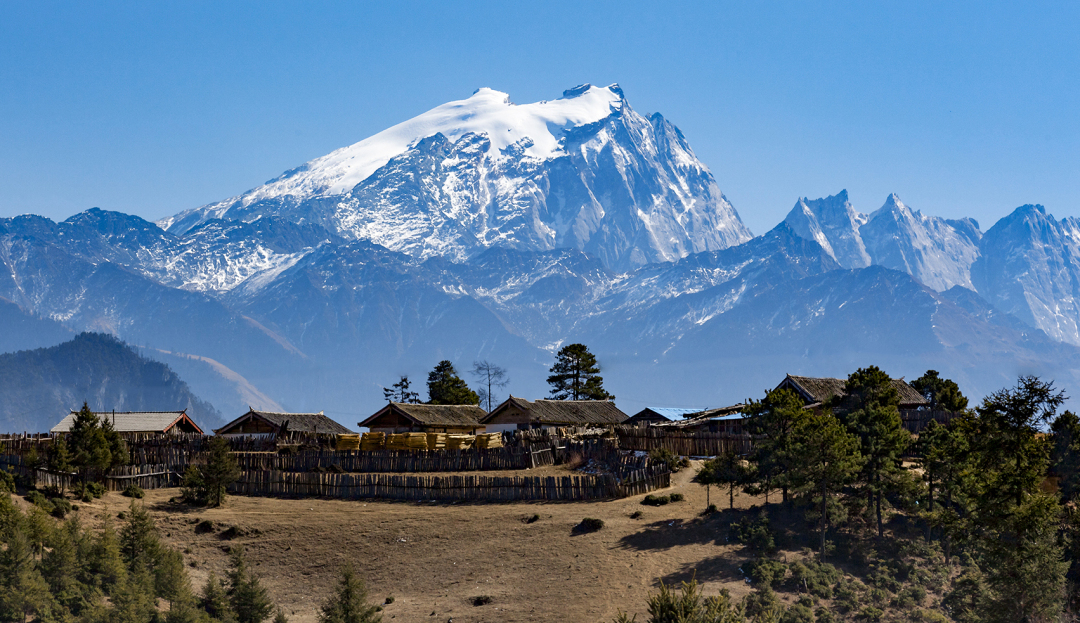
762,604
765,572
824,615
52,491
668,459
814,578
533,519
687,605
481,600
655,500
389,600
7,481
96,489
38,499
677,497
636,515
133,491
870,613
204,526
755,534
590,524
61,508
798,613
846,595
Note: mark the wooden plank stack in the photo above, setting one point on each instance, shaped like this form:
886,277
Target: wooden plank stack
396,441
348,442
416,441
489,440
436,441
459,442
369,442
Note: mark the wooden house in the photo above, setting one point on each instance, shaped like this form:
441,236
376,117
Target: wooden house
400,417
138,422
722,420
268,423
818,391
518,413
655,415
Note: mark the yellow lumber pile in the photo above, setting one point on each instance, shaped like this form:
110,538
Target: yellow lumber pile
372,441
396,441
348,442
459,442
489,440
436,441
416,441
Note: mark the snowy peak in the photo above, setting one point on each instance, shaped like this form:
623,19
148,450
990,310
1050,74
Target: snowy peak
833,223
936,251
582,172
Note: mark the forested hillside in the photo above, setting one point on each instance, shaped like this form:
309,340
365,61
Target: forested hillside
38,387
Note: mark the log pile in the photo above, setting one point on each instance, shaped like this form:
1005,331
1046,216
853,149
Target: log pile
347,442
489,440
459,442
370,442
436,441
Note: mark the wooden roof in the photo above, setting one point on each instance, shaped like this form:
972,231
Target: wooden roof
460,416
133,421
564,412
822,389
298,422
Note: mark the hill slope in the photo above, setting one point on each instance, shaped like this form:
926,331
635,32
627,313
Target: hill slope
39,387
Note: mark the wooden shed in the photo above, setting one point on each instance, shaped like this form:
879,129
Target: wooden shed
722,420
815,391
518,413
267,423
655,415
402,417
138,422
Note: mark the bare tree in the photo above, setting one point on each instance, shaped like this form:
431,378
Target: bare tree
491,377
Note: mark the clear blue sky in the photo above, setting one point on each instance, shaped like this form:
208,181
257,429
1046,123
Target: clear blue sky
154,107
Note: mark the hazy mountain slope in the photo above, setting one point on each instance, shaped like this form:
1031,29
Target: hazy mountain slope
39,387
23,330
584,172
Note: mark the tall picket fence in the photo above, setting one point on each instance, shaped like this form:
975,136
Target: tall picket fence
684,443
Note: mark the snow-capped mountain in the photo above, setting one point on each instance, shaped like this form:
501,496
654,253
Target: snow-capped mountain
583,172
833,223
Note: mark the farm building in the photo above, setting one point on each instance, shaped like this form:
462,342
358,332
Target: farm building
653,415
518,413
138,422
723,420
817,391
399,417
267,423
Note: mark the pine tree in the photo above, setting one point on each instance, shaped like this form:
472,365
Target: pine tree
90,448
170,580
940,393
280,617
139,542
1065,454
349,603
400,392
215,600
220,471
773,419
728,470
491,377
107,563
445,387
63,569
826,458
23,591
59,458
870,410
576,375
247,596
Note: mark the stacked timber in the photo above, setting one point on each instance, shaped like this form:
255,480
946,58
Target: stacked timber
489,440
348,442
416,441
396,441
370,442
459,442
436,441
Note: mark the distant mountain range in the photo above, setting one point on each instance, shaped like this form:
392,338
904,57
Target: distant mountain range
39,387
488,230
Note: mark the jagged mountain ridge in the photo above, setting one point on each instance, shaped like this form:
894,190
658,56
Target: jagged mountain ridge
585,172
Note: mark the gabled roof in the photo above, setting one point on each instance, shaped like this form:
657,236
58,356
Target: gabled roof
668,413
132,421
433,415
734,412
822,389
564,412
298,422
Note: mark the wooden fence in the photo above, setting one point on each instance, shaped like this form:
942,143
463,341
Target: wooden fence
118,478
683,443
469,488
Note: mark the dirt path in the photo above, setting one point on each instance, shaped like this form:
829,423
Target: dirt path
433,558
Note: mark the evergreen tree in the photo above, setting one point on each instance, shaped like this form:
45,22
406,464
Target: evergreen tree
826,458
445,387
23,591
491,377
576,375
90,449
247,596
64,570
138,539
59,458
170,580
349,603
220,471
107,562
215,600
280,617
945,459
133,599
400,392
870,408
940,393
1065,454
729,470
773,419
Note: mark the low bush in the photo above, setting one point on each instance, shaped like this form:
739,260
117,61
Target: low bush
668,459
38,499
677,497
870,613
61,507
96,489
754,533
798,613
481,600
533,519
762,604
52,491
765,572
656,500
814,578
590,524
636,515
204,526
133,491
7,481
389,600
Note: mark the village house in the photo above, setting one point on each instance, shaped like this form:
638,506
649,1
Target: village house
401,417
655,415
816,392
520,414
722,420
268,423
138,422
